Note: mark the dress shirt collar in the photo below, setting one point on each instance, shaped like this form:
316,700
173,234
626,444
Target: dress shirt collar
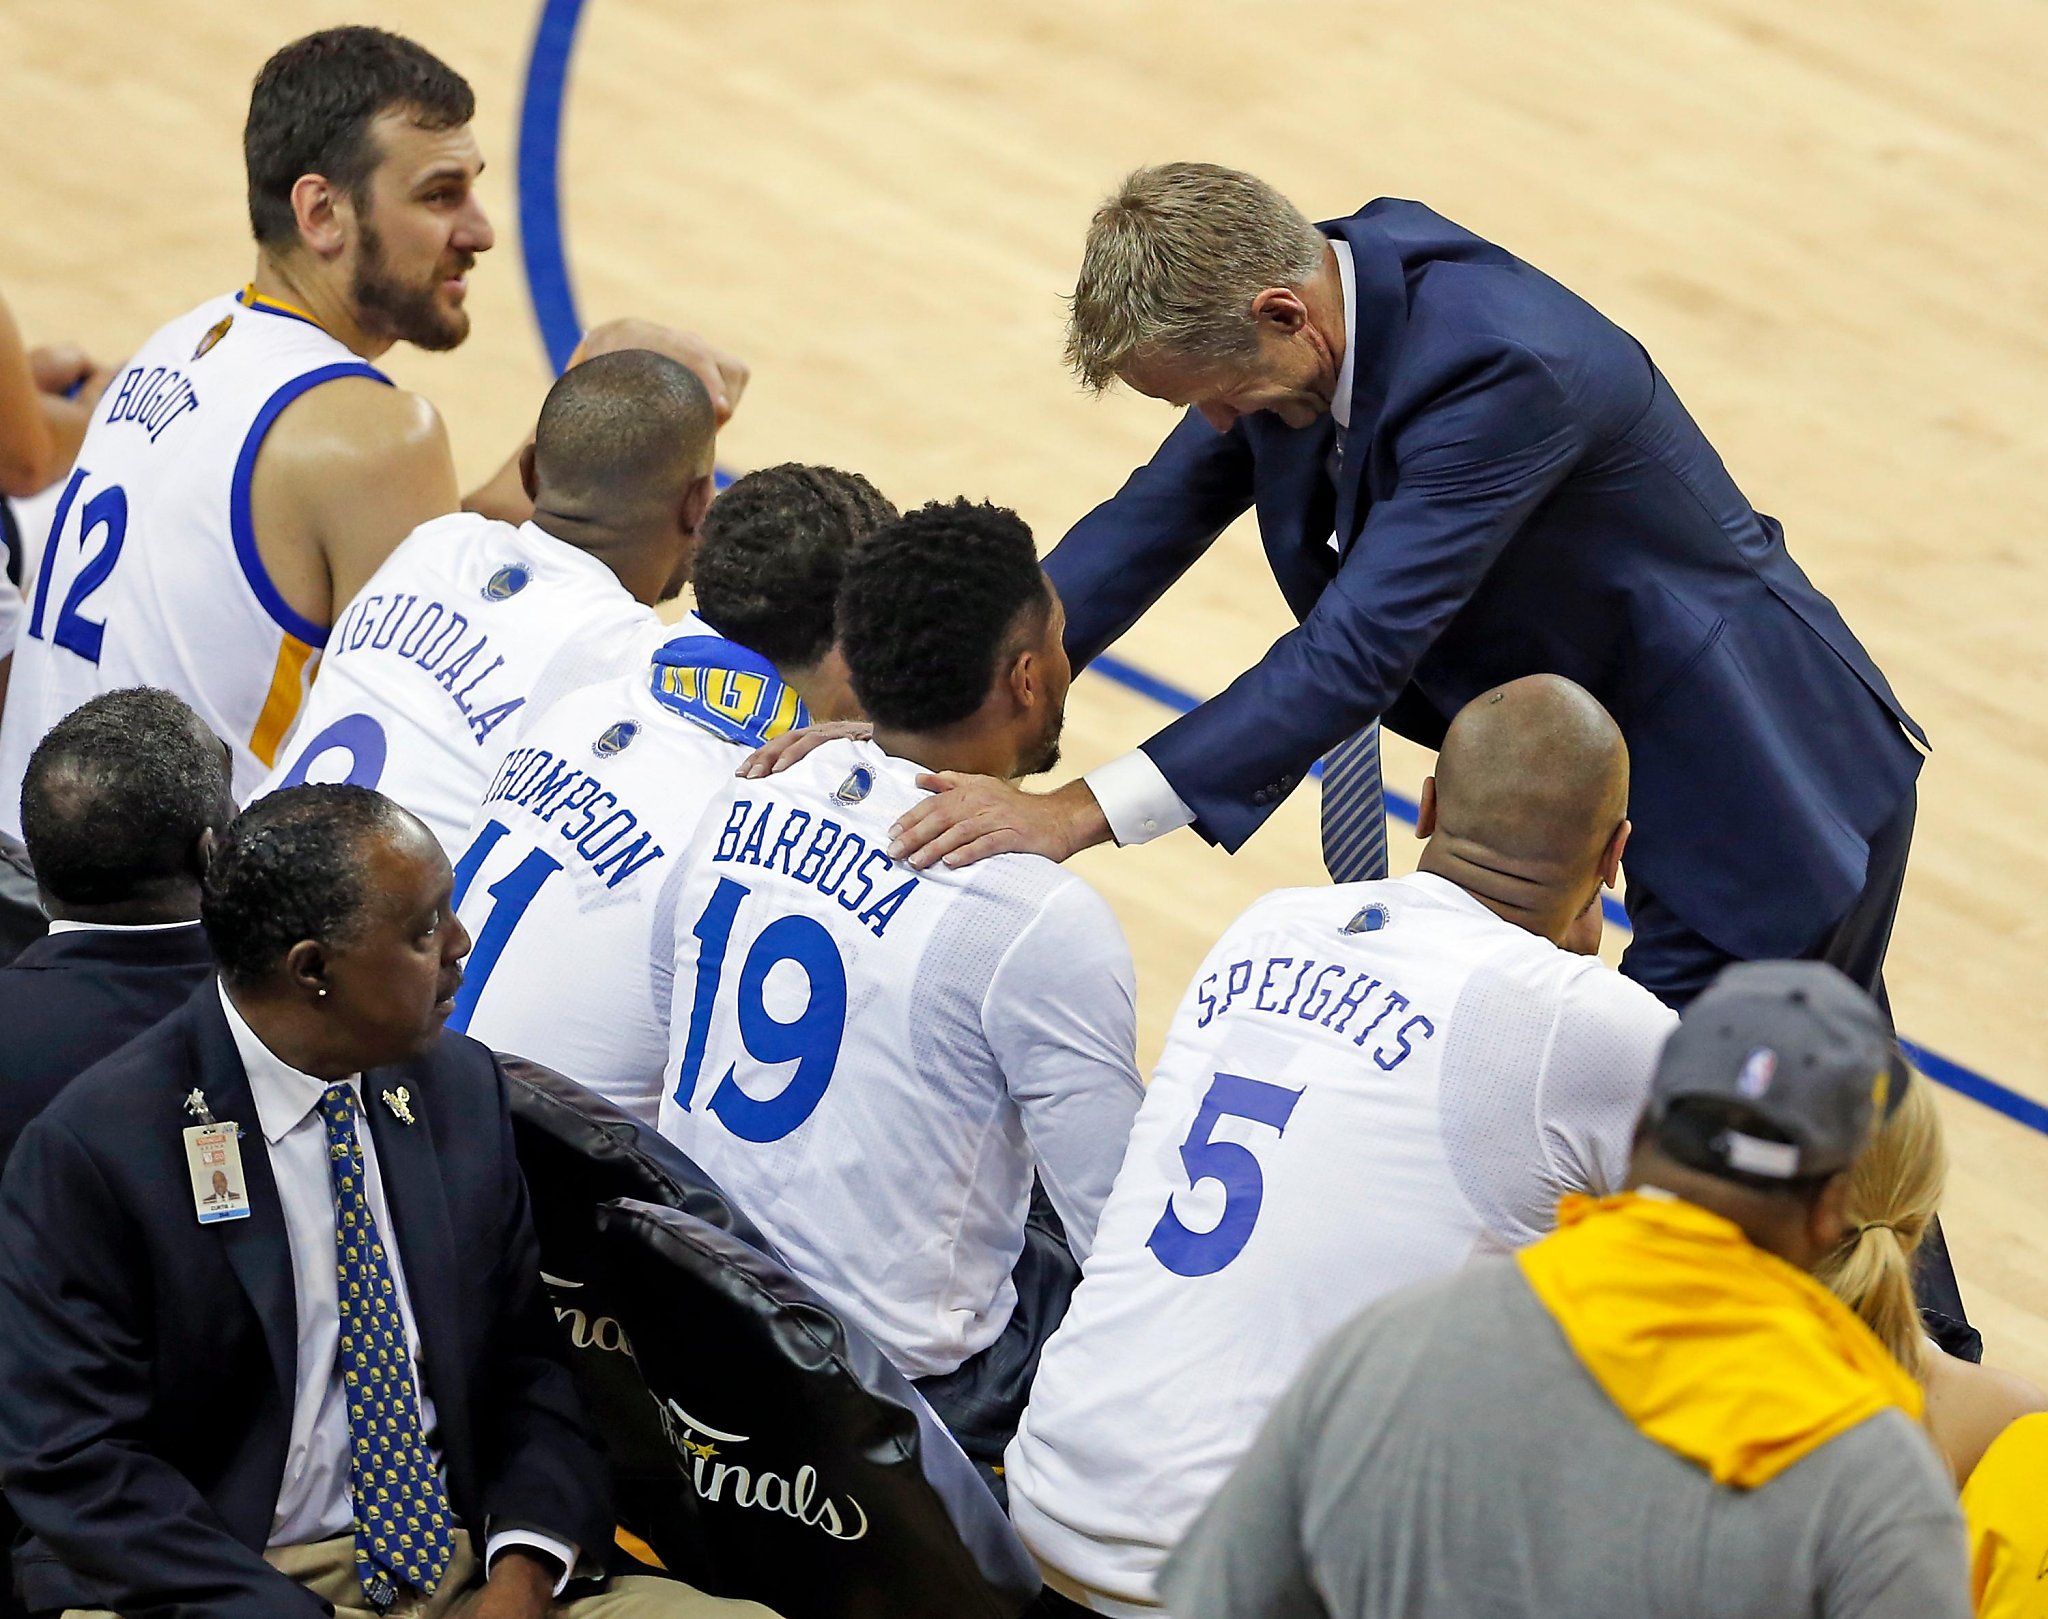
119,927
1347,371
284,1096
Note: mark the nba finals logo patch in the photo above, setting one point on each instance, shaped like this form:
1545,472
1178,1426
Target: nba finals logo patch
860,781
1759,1068
506,583
1369,920
616,739
218,331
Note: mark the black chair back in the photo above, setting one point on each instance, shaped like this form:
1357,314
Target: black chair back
760,1446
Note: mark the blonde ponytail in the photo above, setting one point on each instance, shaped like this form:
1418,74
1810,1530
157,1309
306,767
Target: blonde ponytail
1894,1191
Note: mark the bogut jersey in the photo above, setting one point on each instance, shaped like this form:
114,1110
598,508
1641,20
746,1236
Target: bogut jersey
150,575
872,1060
467,630
1365,1085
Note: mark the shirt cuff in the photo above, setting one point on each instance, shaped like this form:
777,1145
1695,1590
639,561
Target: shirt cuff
1136,798
560,1550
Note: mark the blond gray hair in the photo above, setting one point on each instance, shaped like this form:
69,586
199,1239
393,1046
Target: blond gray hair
1174,259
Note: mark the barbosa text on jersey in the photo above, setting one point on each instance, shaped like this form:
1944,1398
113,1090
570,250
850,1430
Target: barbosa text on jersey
834,855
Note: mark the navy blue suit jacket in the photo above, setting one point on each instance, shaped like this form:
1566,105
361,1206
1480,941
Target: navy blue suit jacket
147,1362
1520,492
69,999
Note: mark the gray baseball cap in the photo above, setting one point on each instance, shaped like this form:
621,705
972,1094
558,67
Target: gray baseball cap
1778,1072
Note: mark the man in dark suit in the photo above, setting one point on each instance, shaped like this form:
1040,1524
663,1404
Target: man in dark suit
314,1398
1463,474
121,803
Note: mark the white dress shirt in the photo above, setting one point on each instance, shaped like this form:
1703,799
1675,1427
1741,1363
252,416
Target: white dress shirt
119,927
1136,798
314,1503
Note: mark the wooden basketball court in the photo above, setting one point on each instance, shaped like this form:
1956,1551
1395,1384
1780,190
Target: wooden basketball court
1824,221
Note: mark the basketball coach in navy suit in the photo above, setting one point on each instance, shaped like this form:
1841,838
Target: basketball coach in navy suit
1463,474
120,804
273,1339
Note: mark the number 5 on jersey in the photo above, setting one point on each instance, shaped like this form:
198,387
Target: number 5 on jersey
1188,1252
811,1039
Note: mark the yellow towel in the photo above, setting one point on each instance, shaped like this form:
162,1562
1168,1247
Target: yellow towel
2006,1505
1712,1347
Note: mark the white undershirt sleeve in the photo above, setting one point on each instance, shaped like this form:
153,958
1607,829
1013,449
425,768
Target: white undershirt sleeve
10,616
1596,1080
1136,798
1061,1018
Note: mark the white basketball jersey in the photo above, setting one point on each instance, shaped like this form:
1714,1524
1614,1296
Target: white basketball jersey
871,1060
468,629
568,883
1364,1085
151,576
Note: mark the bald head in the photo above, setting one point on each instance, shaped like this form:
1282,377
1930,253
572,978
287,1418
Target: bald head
1528,805
620,466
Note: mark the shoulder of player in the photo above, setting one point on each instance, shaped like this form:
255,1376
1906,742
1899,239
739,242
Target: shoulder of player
355,426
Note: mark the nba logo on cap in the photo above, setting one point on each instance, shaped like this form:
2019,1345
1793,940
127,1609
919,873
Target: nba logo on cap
506,583
616,739
1758,1069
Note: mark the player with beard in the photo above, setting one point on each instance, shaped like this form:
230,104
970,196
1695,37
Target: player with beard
873,1061
249,469
473,626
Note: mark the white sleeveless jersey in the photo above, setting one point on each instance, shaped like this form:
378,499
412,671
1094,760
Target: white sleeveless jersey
1364,1085
468,629
871,1060
150,576
568,884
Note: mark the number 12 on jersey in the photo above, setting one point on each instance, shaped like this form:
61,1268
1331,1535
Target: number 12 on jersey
1187,1252
811,1039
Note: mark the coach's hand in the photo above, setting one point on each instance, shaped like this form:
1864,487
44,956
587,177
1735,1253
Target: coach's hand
969,818
786,749
724,375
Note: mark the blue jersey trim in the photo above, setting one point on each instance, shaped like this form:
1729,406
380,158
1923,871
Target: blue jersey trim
243,525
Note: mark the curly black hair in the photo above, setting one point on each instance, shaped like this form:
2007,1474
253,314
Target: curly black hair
930,605
117,794
310,111
290,867
775,546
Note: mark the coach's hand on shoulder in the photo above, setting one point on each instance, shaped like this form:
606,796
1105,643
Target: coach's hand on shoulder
969,818
724,375
786,749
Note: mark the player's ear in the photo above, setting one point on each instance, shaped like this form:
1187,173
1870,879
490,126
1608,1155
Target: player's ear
319,209
1610,861
529,477
696,503
1425,809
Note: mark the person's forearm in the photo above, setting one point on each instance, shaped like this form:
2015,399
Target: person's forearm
502,496
66,420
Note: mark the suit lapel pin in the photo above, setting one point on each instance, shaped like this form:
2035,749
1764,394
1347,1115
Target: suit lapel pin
195,1104
400,1103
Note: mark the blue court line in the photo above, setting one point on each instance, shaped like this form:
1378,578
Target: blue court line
554,309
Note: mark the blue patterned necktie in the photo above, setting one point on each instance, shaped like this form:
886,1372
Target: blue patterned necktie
1354,809
404,1534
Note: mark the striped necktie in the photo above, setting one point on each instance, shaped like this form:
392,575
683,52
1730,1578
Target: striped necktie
404,1532
1354,809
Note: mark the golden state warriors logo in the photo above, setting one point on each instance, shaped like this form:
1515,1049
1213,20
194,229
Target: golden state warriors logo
616,739
214,334
1369,920
860,781
507,582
